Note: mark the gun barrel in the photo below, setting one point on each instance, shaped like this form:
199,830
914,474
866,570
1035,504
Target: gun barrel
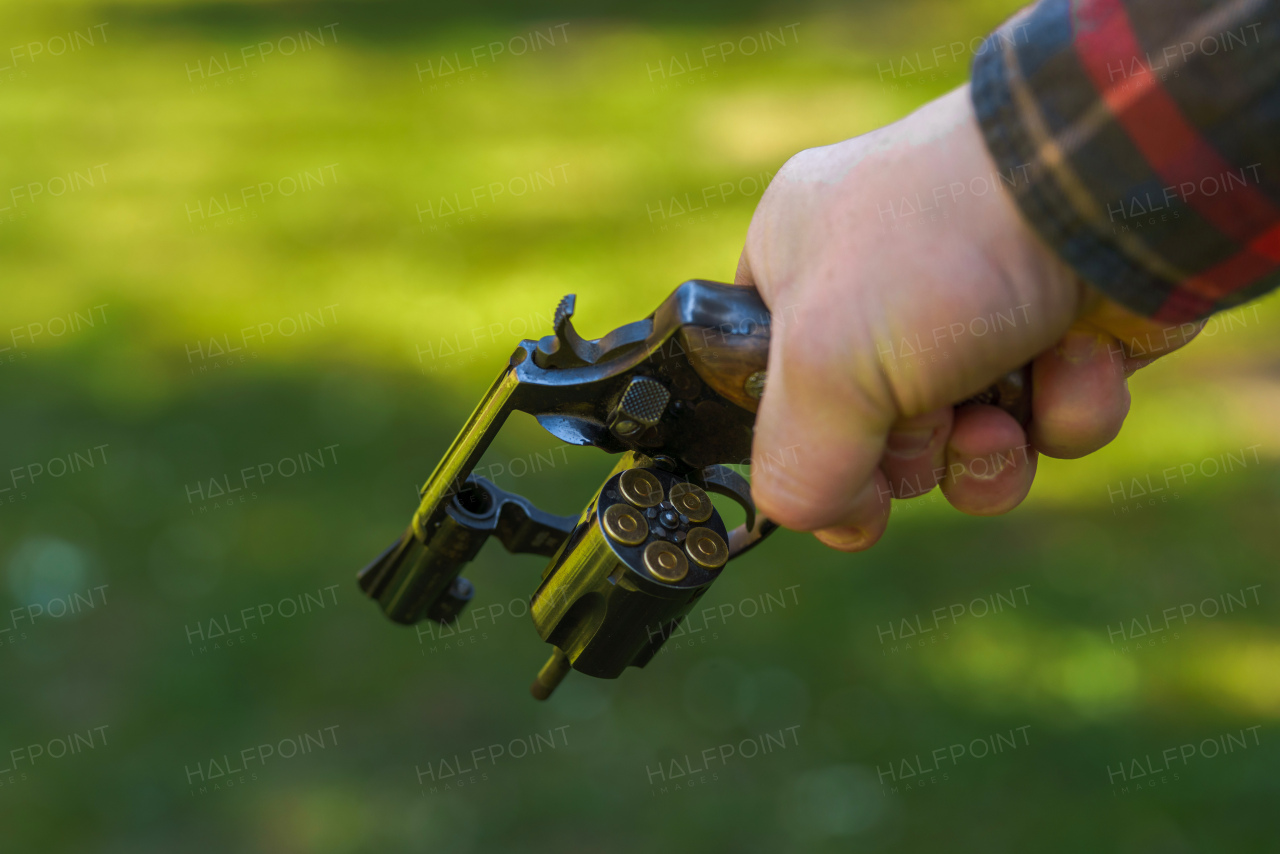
412,581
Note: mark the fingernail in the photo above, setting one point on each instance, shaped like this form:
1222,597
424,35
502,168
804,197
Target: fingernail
851,537
1079,347
987,467
909,444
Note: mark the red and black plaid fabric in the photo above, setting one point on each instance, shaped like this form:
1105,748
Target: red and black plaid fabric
1151,129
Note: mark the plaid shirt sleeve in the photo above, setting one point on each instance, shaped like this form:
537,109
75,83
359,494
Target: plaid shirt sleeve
1150,132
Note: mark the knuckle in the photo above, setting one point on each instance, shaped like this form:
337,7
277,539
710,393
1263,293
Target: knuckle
798,162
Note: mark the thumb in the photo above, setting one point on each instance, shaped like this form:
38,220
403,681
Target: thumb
820,433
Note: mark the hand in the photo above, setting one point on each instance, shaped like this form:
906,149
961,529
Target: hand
902,279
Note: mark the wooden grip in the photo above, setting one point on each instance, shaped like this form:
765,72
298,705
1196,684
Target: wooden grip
736,366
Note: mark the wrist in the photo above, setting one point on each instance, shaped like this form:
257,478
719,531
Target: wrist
1001,230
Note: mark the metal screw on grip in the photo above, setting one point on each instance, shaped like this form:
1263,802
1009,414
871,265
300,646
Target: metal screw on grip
678,405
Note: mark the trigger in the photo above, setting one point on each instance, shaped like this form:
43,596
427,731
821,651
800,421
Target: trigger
723,480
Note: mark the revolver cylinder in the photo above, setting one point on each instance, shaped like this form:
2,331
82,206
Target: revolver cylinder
648,546
676,393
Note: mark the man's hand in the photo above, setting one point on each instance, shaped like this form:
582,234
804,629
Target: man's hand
902,280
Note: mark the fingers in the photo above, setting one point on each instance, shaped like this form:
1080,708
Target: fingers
916,451
790,482
1080,397
819,436
981,453
1080,394
866,521
990,464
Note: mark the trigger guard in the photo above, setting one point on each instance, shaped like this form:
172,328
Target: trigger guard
723,480
742,539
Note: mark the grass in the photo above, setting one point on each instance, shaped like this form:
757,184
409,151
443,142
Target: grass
610,143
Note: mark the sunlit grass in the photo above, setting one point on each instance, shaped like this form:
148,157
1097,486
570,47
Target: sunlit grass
382,377
617,143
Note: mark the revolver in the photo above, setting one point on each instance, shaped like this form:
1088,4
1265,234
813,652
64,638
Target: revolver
675,394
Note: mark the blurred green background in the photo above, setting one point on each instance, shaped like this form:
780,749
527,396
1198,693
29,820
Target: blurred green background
377,317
